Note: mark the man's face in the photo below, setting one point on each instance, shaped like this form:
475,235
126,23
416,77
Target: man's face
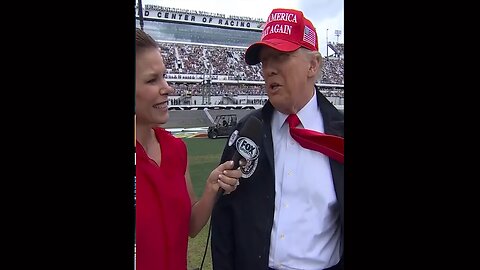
285,75
151,100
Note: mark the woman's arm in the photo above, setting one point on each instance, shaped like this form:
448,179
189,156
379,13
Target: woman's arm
222,176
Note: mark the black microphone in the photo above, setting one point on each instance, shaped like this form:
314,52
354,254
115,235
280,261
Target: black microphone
246,143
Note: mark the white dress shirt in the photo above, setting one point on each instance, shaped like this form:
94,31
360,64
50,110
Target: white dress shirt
306,228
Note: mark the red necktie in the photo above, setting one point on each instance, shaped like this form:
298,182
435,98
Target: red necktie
330,145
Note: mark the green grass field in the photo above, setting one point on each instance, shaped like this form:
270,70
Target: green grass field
204,156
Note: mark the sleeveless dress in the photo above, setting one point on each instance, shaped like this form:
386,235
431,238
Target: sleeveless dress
163,206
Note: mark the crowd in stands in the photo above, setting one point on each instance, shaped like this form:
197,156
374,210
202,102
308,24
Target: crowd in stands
233,90
217,89
229,62
340,48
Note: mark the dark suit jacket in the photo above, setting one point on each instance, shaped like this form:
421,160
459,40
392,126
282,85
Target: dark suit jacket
242,221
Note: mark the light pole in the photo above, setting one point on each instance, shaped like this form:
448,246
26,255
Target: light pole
140,13
338,33
327,43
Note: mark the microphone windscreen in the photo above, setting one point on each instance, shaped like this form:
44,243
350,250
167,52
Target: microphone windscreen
247,140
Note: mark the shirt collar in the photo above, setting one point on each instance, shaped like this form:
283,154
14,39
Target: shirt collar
306,115
309,113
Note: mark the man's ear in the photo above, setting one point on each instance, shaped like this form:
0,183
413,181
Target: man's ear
315,65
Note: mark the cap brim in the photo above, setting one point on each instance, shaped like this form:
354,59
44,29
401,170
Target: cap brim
251,55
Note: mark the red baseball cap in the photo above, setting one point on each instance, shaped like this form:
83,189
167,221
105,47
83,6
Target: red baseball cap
286,30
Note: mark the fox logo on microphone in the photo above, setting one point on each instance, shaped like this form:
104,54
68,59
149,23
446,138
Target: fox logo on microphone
250,151
247,148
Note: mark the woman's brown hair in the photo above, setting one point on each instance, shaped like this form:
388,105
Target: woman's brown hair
144,41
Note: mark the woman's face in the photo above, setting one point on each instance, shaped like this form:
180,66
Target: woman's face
152,90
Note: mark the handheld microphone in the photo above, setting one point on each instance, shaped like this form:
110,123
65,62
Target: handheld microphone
246,143
246,147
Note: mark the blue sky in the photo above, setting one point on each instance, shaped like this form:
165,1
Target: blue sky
324,14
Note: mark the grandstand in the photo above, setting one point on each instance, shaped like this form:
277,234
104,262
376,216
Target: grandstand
204,54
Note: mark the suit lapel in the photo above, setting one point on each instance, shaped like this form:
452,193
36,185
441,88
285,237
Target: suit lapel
333,124
332,119
267,112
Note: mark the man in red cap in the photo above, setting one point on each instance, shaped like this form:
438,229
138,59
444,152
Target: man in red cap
288,211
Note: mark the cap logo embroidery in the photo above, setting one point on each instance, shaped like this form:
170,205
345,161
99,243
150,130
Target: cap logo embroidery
279,28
